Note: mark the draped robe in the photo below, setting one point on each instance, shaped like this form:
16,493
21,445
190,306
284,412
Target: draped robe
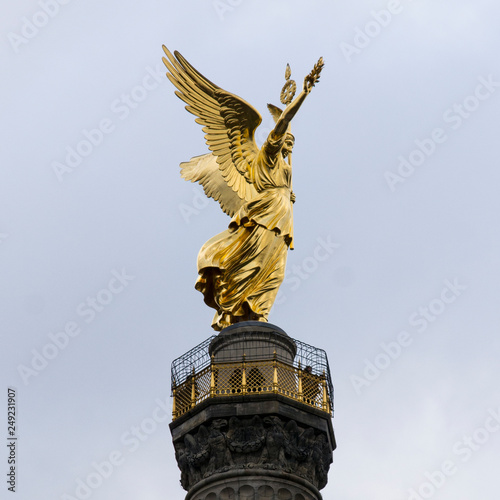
241,269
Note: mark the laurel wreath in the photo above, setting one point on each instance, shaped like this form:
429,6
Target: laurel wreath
313,76
288,92
290,87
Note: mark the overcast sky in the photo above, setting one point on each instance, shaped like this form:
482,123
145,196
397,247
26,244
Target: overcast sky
397,180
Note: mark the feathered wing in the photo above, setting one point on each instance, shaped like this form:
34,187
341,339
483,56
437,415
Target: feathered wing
229,124
205,170
275,112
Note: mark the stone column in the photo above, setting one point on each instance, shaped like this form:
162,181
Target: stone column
256,445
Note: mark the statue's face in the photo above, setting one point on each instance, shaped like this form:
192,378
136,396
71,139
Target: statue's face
287,146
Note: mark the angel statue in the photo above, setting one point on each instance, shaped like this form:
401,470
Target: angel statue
241,269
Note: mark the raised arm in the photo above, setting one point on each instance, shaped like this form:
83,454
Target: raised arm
287,115
290,111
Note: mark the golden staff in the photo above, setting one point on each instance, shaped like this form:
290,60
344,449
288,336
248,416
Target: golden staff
286,96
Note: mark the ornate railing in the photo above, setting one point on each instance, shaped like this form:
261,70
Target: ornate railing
309,384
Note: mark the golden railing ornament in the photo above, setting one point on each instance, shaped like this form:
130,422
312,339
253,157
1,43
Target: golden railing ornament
256,378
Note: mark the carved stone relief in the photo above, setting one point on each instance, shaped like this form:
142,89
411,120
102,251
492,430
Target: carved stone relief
254,443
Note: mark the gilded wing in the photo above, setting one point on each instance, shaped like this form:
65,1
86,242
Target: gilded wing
229,124
275,112
205,170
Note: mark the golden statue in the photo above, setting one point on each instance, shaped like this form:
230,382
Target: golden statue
241,269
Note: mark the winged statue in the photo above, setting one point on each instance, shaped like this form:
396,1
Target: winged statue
241,269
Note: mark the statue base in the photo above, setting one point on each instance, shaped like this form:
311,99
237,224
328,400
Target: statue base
254,339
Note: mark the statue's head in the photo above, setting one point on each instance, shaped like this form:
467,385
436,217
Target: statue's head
288,145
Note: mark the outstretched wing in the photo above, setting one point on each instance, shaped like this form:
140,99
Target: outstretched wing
229,124
205,170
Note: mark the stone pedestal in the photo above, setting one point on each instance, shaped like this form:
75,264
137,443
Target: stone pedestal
253,446
255,340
